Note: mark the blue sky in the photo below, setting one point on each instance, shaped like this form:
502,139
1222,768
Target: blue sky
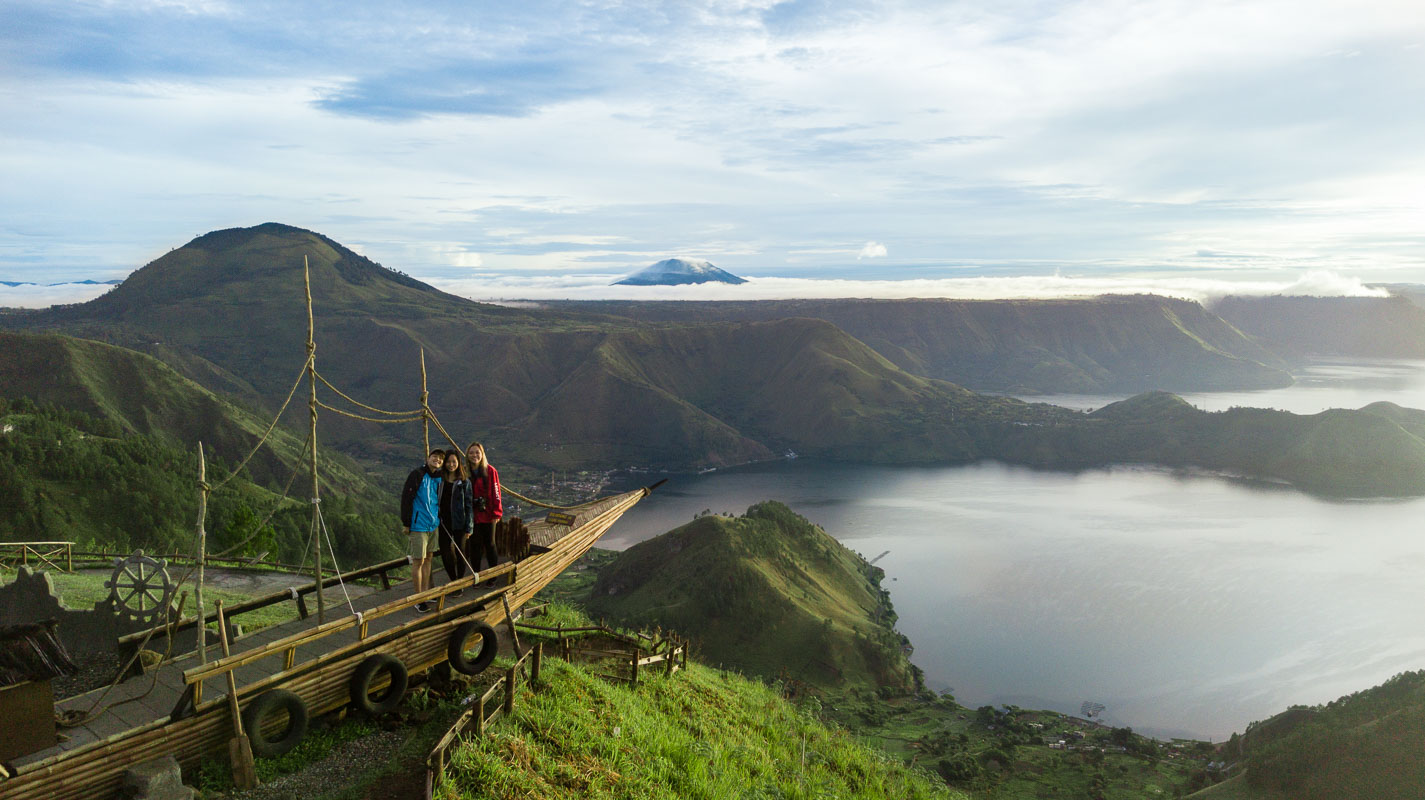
532,145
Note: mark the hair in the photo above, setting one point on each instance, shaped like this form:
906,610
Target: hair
484,458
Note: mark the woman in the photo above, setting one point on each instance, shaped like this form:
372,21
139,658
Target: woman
455,516
485,502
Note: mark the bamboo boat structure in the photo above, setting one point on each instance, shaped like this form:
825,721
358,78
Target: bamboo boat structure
180,707
184,710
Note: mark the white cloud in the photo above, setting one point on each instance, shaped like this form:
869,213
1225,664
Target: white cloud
45,296
596,287
872,250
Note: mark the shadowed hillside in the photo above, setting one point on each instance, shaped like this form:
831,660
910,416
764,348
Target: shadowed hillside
1105,344
767,593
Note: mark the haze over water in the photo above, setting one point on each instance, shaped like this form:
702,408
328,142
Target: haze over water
1186,604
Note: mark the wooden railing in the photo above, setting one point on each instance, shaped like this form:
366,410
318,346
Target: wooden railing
636,652
476,717
18,554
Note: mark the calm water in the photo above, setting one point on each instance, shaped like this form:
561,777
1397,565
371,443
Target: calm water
1187,605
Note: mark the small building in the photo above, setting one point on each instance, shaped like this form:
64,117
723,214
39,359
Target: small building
30,657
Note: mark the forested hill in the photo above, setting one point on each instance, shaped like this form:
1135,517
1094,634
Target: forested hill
1106,344
1365,746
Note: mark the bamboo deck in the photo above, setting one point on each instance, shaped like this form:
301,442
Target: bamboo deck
90,765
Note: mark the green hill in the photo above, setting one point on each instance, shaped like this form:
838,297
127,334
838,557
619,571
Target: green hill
1365,746
1104,344
767,593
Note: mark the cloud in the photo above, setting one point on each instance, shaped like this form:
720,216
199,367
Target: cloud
595,287
872,250
45,296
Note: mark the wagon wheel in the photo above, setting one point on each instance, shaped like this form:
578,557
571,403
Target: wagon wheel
140,587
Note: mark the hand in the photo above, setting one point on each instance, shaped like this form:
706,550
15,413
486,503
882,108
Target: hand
405,530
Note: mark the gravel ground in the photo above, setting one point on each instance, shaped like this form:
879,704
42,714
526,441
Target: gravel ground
347,760
95,670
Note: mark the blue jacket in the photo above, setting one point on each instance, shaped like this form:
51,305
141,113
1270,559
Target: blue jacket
420,501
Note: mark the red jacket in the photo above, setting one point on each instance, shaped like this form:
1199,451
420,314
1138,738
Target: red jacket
487,487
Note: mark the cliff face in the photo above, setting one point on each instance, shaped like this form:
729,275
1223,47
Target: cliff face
1361,327
1106,344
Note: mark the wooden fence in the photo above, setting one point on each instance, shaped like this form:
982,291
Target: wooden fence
18,554
639,653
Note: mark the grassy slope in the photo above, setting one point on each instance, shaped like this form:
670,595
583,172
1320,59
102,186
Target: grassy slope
767,593
702,733
1365,327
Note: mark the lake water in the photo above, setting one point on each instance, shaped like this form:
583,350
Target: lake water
1185,604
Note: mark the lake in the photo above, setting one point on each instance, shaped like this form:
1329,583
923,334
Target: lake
1186,604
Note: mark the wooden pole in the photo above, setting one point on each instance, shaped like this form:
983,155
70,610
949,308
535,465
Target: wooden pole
425,404
202,552
312,407
239,747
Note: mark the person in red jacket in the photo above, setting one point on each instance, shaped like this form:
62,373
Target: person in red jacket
485,502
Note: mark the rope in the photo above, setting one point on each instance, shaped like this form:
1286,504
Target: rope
505,489
368,419
268,432
278,505
347,398
332,549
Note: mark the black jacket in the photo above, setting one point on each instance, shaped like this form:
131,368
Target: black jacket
459,519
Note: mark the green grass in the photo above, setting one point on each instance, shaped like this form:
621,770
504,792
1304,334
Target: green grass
80,591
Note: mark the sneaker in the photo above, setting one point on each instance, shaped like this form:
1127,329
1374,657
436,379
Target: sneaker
456,593
423,608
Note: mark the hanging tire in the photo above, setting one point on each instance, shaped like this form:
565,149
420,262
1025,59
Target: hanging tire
261,709
489,645
365,675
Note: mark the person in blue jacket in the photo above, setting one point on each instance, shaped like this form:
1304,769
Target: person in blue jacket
420,518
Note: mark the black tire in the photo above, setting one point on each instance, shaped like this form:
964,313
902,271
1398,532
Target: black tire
366,674
261,708
489,645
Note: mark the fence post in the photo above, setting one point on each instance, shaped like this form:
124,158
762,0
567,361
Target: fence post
510,677
637,654
480,715
535,665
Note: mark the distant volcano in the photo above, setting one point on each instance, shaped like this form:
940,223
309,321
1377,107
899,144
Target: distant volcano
677,272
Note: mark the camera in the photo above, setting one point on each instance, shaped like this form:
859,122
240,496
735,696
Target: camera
480,504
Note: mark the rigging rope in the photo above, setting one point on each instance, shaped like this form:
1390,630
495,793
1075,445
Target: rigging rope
332,549
277,506
268,432
349,399
368,419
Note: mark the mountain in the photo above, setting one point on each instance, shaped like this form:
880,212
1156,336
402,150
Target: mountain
1361,327
767,593
679,272
561,389
1106,344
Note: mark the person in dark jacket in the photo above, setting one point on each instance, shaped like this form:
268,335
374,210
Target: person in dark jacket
485,500
455,517
420,518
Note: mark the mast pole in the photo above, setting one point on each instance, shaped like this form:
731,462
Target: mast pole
202,554
425,404
312,407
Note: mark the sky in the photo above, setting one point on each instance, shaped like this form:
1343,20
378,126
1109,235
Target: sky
819,148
